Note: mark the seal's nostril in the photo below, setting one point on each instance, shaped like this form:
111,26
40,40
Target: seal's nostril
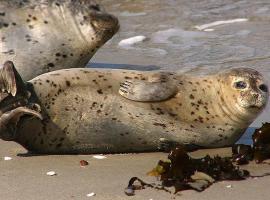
256,95
263,88
95,7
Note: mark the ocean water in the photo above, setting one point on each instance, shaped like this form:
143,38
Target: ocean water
174,43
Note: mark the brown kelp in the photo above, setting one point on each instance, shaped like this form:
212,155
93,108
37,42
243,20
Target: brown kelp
260,150
183,172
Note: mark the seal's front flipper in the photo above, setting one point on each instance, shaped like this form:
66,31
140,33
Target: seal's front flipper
10,80
156,88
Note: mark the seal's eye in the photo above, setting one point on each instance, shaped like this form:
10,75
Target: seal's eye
263,88
240,85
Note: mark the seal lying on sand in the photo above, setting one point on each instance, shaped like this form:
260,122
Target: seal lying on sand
56,33
83,112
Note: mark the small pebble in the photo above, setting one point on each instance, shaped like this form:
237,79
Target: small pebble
7,158
83,163
129,191
229,186
51,173
99,157
91,194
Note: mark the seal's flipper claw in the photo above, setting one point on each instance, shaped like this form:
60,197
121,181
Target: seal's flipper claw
147,91
122,91
124,86
10,79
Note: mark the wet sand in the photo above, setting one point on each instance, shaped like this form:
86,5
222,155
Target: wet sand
24,177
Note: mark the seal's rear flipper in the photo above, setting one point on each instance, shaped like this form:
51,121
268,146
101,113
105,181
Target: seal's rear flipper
156,88
10,80
9,120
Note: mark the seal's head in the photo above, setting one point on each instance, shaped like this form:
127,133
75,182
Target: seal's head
14,101
102,24
244,93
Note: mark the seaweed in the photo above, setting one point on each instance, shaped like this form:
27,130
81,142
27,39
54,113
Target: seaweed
261,143
260,150
184,172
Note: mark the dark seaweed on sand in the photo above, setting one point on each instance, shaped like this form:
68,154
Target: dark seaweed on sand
260,150
184,172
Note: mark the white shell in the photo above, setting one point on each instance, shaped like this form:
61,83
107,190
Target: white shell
100,157
7,158
51,173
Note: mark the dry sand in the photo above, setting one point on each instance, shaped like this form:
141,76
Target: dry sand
24,177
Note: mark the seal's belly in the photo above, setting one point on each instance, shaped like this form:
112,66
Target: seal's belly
95,122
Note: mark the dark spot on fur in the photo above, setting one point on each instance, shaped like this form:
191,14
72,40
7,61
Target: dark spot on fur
100,91
68,83
191,96
159,124
50,65
172,114
200,102
59,145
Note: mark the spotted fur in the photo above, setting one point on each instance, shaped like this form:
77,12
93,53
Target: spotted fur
83,111
46,35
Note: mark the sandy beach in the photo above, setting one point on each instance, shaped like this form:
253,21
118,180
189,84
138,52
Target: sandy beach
24,177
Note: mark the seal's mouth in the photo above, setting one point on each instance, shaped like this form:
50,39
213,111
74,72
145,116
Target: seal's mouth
104,24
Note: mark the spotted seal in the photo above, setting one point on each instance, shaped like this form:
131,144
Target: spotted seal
112,111
56,33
